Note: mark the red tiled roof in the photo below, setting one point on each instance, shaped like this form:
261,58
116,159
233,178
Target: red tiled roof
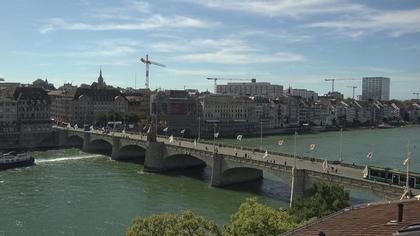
372,219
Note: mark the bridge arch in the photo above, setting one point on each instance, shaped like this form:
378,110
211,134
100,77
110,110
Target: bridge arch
182,161
240,175
131,152
75,141
99,146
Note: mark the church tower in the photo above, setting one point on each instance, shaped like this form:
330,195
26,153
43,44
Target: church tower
101,83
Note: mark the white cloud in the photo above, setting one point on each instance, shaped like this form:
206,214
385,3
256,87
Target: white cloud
102,49
288,8
232,57
223,51
204,72
149,23
395,23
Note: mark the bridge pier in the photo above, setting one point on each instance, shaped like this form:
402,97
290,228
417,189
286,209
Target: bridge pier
86,140
301,184
115,148
223,176
155,155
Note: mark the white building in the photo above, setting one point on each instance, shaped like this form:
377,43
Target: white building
304,93
253,88
375,88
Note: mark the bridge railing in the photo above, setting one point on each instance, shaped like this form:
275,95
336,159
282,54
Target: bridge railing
219,144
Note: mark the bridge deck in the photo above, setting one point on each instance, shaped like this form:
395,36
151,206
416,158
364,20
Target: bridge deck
346,174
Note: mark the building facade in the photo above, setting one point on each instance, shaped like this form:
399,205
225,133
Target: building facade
9,129
375,88
303,93
33,116
228,115
253,88
176,110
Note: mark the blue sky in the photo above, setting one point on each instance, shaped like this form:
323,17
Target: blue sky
295,43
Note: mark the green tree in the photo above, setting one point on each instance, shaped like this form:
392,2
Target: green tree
43,84
323,200
184,224
254,218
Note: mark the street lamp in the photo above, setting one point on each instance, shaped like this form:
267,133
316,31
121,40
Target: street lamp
341,146
294,150
261,135
199,128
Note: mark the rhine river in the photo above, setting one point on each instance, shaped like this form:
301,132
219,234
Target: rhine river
70,192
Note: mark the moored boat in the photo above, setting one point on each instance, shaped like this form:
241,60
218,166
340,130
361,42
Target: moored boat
14,159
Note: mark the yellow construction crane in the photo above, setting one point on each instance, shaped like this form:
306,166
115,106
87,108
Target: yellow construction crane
216,79
333,80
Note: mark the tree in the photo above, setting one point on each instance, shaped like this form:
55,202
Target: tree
254,218
43,84
167,224
324,199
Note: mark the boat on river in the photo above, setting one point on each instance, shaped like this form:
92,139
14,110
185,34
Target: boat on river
14,159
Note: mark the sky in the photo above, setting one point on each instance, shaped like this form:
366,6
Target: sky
297,43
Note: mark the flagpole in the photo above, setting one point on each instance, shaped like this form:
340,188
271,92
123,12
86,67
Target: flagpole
407,181
341,146
214,138
294,152
261,135
199,128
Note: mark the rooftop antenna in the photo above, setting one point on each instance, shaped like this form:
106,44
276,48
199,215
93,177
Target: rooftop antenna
135,80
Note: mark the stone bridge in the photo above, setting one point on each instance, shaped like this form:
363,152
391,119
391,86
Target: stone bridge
227,166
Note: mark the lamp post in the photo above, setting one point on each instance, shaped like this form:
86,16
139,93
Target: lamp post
294,150
261,135
214,139
341,146
199,128
407,181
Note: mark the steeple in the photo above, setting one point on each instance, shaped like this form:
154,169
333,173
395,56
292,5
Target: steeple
101,83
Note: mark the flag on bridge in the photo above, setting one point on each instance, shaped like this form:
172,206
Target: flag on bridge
280,142
265,154
91,127
325,165
216,134
195,142
165,129
76,126
369,155
406,161
312,147
239,137
182,131
149,129
68,126
365,172
171,138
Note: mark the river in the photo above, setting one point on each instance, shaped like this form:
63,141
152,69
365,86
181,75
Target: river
70,192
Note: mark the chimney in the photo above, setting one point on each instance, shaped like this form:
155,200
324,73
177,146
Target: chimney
400,212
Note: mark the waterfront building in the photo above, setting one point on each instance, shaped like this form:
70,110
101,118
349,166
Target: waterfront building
303,93
228,114
33,116
88,105
263,113
252,88
9,129
414,112
333,95
177,111
375,88
138,101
